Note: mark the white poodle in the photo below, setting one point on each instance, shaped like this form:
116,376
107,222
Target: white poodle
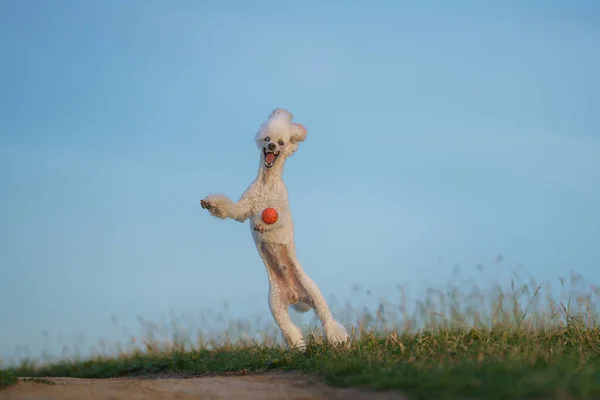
277,139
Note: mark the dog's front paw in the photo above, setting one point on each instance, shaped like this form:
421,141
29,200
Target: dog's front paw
214,207
207,205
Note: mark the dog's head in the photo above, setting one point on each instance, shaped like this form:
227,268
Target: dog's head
278,137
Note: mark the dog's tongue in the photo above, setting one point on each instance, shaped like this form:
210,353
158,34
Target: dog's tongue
270,158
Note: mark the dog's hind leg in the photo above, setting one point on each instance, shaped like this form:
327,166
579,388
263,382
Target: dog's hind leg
281,294
310,295
278,304
334,331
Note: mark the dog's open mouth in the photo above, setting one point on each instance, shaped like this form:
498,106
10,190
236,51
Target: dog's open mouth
270,157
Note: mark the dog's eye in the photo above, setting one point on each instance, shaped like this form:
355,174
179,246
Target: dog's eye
267,139
280,142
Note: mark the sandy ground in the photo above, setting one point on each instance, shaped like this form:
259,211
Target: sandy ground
280,385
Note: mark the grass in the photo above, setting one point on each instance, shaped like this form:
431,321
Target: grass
7,378
519,342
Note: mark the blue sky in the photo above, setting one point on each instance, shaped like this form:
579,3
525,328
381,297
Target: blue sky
439,133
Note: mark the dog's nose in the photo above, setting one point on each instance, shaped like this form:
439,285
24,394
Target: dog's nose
272,146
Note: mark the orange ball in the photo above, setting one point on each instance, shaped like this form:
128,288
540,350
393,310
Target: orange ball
269,216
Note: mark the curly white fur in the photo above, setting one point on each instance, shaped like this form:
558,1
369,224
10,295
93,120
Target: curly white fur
277,139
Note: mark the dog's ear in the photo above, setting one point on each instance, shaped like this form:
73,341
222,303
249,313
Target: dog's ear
298,132
281,112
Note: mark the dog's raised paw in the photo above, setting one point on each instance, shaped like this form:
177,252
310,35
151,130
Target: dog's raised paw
205,204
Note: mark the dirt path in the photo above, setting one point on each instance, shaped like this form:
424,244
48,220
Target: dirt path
288,386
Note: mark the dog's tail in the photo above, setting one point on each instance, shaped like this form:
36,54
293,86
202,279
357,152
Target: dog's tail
301,307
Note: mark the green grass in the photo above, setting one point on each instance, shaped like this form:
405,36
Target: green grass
7,378
512,343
